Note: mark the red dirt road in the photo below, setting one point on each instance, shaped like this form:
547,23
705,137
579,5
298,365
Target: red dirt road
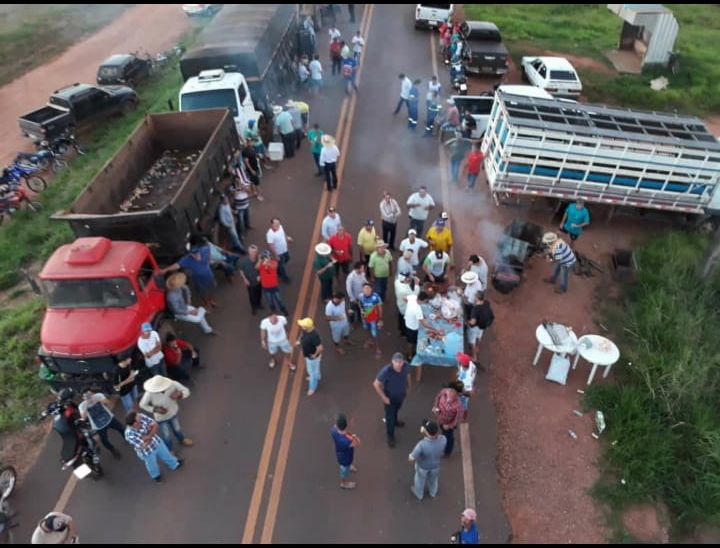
154,27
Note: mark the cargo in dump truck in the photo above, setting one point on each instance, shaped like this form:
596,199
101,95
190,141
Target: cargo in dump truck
163,185
259,41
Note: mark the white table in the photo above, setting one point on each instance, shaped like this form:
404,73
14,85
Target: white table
545,341
597,351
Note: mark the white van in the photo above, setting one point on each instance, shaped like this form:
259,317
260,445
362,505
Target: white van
430,16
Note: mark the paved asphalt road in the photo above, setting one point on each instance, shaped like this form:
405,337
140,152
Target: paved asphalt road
263,468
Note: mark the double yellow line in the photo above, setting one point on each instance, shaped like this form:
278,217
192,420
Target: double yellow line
309,284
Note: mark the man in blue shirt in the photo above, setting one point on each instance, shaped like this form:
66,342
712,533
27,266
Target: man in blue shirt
575,219
392,385
345,444
468,533
349,68
412,104
197,265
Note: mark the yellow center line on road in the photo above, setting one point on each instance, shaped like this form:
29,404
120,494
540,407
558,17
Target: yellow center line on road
342,136
465,447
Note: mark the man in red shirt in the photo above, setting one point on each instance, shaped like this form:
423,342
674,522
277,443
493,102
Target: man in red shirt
179,356
341,244
268,269
473,163
335,56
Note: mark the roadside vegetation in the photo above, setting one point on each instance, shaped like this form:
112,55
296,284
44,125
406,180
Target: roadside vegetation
32,34
662,443
588,30
29,238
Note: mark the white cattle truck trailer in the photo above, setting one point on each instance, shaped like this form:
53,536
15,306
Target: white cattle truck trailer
609,155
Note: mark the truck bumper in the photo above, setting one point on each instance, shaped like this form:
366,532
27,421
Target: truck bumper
426,24
486,69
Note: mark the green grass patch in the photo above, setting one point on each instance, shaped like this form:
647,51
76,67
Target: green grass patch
588,30
663,414
46,31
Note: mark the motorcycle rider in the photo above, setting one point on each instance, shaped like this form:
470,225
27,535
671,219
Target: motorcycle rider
95,407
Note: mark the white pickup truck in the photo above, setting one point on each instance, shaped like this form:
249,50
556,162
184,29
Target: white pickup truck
430,16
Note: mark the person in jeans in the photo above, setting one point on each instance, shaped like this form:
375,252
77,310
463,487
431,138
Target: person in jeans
226,218
345,444
126,385
268,269
426,456
278,242
150,345
448,411
180,356
312,350
354,284
141,432
324,265
560,253
96,408
392,385
328,161
315,138
161,398
251,278
389,213
380,268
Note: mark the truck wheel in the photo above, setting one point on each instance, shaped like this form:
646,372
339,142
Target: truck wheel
35,183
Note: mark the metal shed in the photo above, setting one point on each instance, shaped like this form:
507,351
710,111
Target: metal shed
647,38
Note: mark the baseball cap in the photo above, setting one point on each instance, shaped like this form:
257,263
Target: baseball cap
369,222
398,356
444,215
440,222
306,323
266,253
470,514
147,326
463,359
412,231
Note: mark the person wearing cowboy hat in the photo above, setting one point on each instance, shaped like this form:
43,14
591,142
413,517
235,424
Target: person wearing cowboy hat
55,528
560,253
197,263
161,399
478,265
328,161
324,265
177,300
284,126
468,533
472,286
380,268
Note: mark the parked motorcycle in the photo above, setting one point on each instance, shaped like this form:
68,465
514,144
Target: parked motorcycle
12,197
61,145
458,77
43,158
79,449
23,173
8,480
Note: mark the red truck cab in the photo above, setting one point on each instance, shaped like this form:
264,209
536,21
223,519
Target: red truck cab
98,293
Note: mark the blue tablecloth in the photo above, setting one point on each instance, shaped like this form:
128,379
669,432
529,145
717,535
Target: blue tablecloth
440,351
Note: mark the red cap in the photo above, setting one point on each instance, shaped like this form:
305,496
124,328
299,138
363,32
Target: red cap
463,358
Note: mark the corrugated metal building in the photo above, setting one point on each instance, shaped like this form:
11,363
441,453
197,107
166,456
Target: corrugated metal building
650,30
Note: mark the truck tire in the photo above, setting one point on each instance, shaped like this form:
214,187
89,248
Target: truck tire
35,183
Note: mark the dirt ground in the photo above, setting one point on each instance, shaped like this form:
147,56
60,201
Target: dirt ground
154,27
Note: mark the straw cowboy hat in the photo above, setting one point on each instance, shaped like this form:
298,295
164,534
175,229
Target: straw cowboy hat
176,280
157,384
328,140
277,109
323,249
549,238
469,277
290,103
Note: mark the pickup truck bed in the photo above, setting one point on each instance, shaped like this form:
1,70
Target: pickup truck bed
45,121
485,51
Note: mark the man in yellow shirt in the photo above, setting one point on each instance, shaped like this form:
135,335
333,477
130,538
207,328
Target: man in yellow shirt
439,237
366,240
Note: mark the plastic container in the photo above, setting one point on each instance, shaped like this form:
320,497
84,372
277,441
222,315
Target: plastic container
276,152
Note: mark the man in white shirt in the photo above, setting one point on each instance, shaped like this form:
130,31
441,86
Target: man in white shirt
273,337
414,318
405,86
150,345
328,161
358,43
414,244
354,289
278,241
316,74
330,223
419,205
334,32
406,283
390,213
435,266
336,315
404,262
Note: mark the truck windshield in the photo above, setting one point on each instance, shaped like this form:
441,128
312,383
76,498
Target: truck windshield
92,293
215,98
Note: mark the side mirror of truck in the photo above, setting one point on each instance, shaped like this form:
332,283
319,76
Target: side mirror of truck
171,106
32,281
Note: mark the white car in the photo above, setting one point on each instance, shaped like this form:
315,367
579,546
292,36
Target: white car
431,16
553,74
198,10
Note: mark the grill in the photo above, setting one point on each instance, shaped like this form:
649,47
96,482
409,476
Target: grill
520,241
90,366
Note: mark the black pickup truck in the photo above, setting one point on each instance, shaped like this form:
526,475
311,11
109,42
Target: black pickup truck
484,52
78,106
